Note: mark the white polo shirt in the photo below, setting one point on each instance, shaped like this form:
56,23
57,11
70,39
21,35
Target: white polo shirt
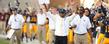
82,24
41,19
51,20
16,21
61,25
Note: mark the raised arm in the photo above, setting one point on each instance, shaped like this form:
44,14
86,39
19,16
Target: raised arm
70,18
51,15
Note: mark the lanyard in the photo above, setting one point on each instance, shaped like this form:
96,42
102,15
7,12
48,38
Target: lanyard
15,19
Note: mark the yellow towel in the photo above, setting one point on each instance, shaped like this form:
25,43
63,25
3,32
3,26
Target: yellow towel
24,29
47,32
70,36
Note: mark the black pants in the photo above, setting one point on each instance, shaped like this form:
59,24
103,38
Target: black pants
60,39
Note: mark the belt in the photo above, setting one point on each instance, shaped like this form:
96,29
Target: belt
15,29
80,34
41,25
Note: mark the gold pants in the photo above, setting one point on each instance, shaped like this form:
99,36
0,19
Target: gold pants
106,41
100,38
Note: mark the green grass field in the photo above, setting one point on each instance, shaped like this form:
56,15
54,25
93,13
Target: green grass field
3,41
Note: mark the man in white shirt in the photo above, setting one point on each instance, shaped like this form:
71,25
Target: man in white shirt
61,26
16,22
41,21
51,24
81,23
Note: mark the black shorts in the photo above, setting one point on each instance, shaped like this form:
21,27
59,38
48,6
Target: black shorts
60,39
